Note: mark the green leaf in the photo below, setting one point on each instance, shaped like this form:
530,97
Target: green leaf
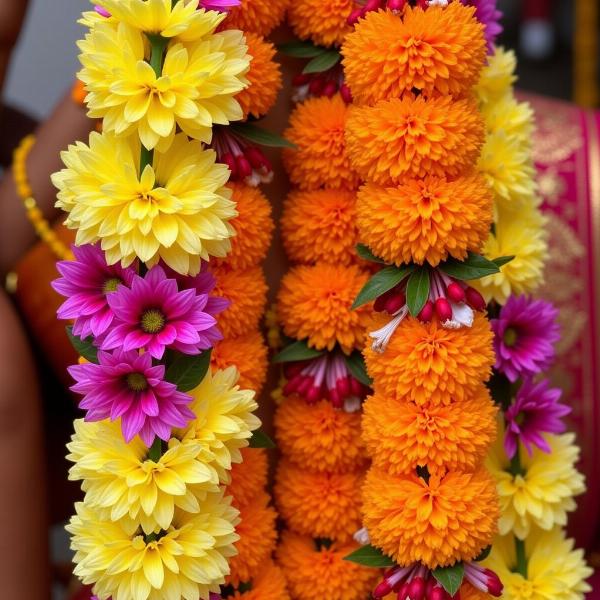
503,260
484,554
474,267
300,49
365,253
369,556
187,371
323,62
417,290
380,283
356,365
260,439
450,578
84,347
297,351
260,136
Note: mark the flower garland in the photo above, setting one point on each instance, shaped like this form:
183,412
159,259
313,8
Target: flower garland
169,511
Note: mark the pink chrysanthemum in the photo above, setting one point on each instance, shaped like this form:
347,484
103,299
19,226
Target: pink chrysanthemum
536,410
126,385
487,13
219,5
154,314
86,282
524,336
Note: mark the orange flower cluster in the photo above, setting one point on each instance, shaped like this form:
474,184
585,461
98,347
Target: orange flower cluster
414,134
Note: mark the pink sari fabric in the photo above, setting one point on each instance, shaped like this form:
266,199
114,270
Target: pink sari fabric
567,155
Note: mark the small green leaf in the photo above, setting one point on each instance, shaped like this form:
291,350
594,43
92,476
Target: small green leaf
365,253
450,578
187,371
356,364
369,556
380,283
260,439
417,290
84,347
300,49
503,260
474,267
323,62
484,554
297,351
260,136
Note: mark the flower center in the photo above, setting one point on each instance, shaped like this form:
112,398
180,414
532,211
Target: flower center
510,337
137,382
110,285
152,321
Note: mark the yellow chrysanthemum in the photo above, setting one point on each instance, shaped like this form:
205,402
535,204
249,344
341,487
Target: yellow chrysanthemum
401,436
512,117
319,225
313,572
195,89
322,505
253,227
319,437
425,219
320,158
554,568
498,76
177,209
188,560
449,519
520,233
269,584
258,537
315,302
428,364
224,418
439,50
542,494
325,23
246,289
264,78
257,16
249,477
121,479
169,19
248,353
414,136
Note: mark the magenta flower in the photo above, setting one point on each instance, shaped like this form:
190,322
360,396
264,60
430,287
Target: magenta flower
219,5
536,410
126,385
487,13
154,315
525,334
86,282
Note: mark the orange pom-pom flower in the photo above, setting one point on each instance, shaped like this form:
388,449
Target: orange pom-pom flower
325,23
256,16
249,477
269,584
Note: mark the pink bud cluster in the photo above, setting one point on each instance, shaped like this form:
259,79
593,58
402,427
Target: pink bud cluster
328,83
370,5
326,377
246,161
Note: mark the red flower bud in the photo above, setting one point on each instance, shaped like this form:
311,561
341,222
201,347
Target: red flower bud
316,86
307,383
403,593
301,79
494,584
396,4
382,590
313,395
229,160
330,89
343,387
244,169
395,303
356,387
474,299
346,93
455,292
292,385
336,401
443,309
354,16
255,157
372,5
292,369
416,589
382,300
438,593
426,313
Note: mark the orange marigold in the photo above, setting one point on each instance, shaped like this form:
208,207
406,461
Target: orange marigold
253,227
411,136
323,505
319,437
249,477
400,436
257,16
323,573
425,219
451,518
248,353
264,77
325,23
258,538
246,289
319,225
269,584
468,592
320,159
314,302
439,50
428,364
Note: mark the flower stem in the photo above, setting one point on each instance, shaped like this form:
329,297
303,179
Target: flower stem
521,557
155,451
